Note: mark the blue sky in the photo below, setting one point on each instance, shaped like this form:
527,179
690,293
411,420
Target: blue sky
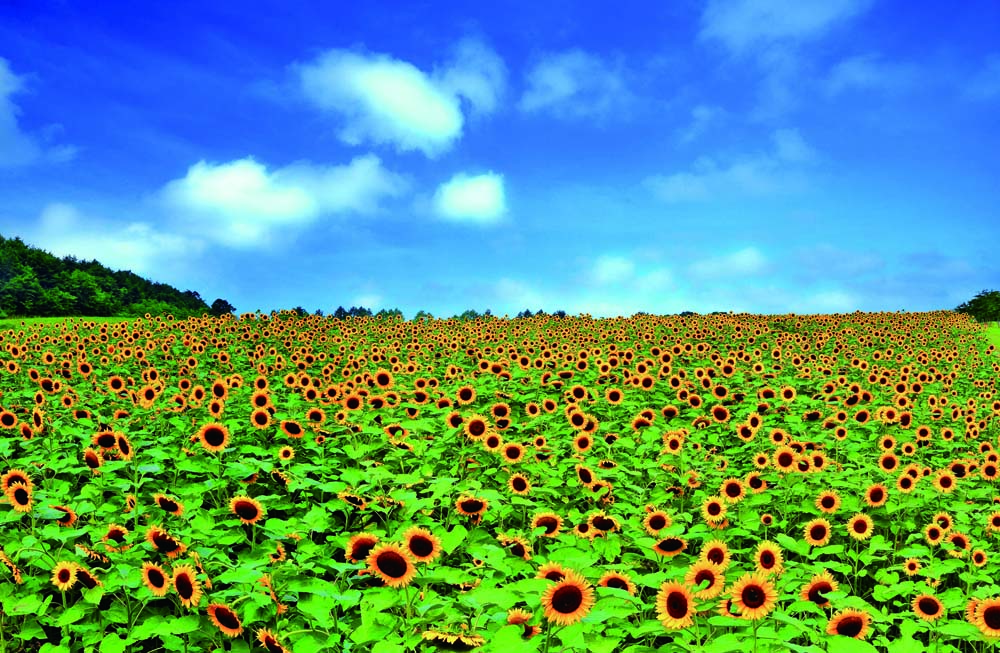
751,155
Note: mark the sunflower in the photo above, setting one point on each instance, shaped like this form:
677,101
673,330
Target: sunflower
518,546
550,521
476,427
115,538
225,619
850,623
465,395
943,520
961,543
716,552
94,460
928,607
155,579
617,580
187,586
422,545
123,446
569,600
286,453
860,526
270,642
979,558
167,504
512,452
754,596
713,509
769,559
260,418
472,506
817,588
732,490
945,481
391,563
20,496
670,546
360,546
657,520
519,484
828,502
552,571
784,459
163,542
701,572
518,617
248,510
585,476
911,567
987,617
933,534
64,575
492,442
876,495
817,532
675,606
214,437
87,579
291,428
68,516
582,443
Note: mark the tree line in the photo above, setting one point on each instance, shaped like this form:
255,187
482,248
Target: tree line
35,283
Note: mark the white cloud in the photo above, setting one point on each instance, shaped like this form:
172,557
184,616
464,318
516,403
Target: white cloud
742,24
868,71
242,204
383,100
464,198
575,84
515,296
744,262
790,146
702,117
476,73
136,246
775,172
17,147
612,269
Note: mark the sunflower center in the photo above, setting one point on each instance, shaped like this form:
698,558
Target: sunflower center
677,605
753,596
702,576
817,591
362,549
850,626
876,495
656,522
860,526
767,559
828,502
246,510
168,505
472,505
928,606
670,545
477,428
714,508
567,599
21,496
991,617
716,555
732,490
391,564
184,586
214,436
617,583
549,523
604,523
227,618
123,445
165,543
64,575
818,532
421,546
585,476
155,578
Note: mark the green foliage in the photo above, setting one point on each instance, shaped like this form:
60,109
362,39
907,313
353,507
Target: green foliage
984,307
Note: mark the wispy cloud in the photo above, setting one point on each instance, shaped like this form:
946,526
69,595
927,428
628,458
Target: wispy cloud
869,72
741,25
703,116
387,101
575,84
778,171
17,147
748,261
242,204
471,198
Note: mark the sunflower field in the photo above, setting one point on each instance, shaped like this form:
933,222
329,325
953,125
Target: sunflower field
301,484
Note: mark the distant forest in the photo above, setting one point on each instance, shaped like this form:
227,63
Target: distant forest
34,283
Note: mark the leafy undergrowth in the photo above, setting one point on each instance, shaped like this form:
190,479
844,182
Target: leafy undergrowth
723,483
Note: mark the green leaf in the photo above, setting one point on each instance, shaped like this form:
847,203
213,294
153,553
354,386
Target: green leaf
726,642
112,643
72,614
454,537
843,644
905,645
388,647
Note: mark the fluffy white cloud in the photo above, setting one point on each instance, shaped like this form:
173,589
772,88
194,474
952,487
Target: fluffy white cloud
702,117
575,84
613,269
868,71
242,204
774,172
136,246
384,100
464,198
744,262
742,24
17,147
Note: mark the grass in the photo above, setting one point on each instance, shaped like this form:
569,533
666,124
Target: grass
993,334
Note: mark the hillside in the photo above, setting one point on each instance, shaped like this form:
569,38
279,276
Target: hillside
34,283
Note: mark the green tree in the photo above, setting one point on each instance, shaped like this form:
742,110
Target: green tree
984,307
22,295
221,307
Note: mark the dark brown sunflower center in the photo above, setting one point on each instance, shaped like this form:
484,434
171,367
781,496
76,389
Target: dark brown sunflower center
391,564
293,429
716,555
512,453
227,618
617,583
116,535
64,575
155,578
165,543
585,476
860,526
92,460
214,436
567,599
421,546
517,549
928,606
184,586
828,502
602,523
733,490
670,545
246,510
549,523
876,495
991,617
850,626
818,532
817,591
767,559
704,575
361,549
656,522
106,440
493,441
677,605
21,497
714,508
472,505
785,459
753,596
520,484
477,428
169,505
